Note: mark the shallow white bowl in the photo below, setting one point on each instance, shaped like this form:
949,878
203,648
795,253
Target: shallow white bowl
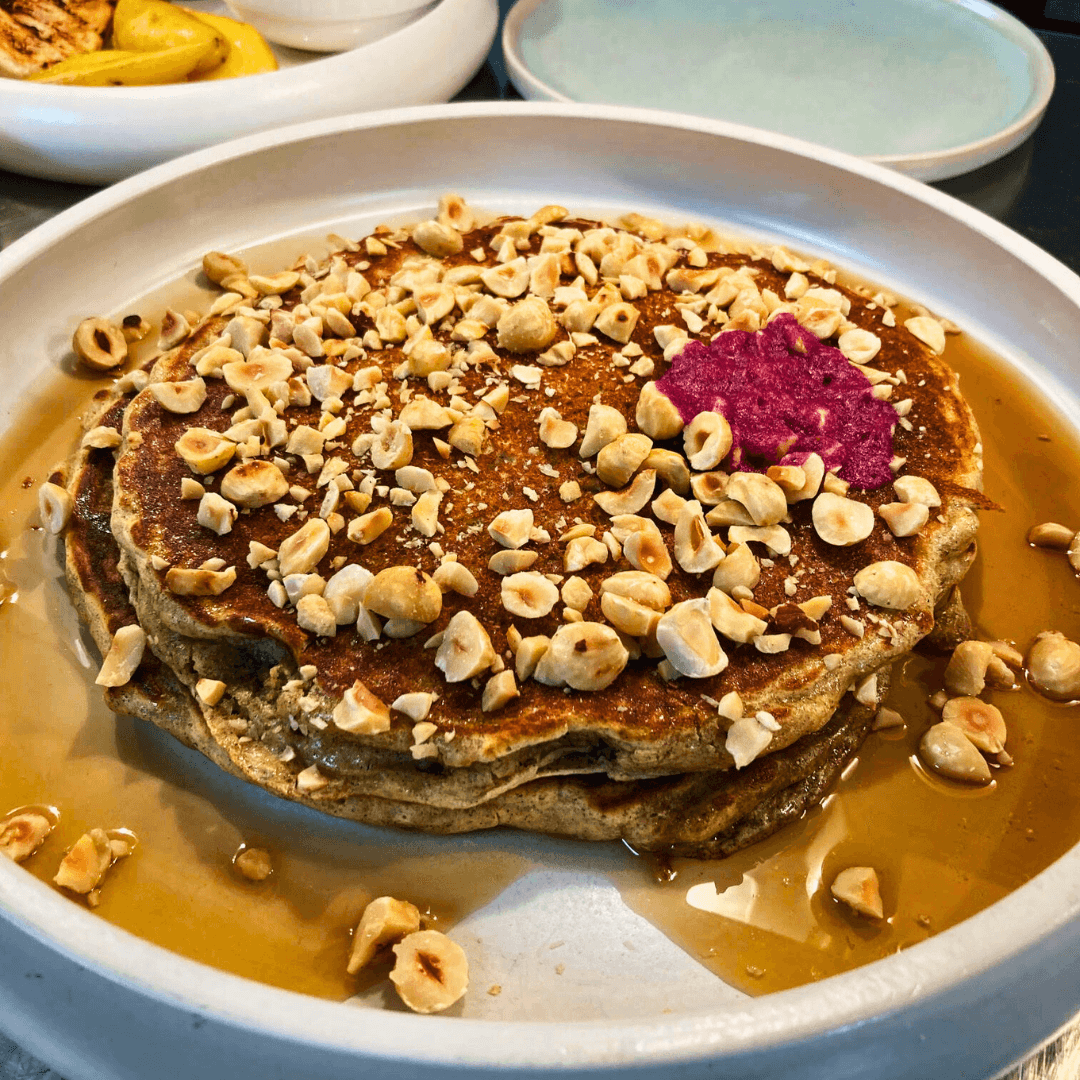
95,135
94,1002
327,25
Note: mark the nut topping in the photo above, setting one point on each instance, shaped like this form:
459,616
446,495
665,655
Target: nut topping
763,498
583,656
512,528
528,594
180,397
916,489
527,326
404,592
707,440
686,635
300,553
904,518
695,548
656,414
254,483
604,425
205,451
841,522
888,585
184,582
619,459
360,712
465,650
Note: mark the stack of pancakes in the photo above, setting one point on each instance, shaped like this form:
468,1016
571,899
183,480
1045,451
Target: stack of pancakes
643,751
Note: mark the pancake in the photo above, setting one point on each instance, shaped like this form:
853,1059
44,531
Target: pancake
647,758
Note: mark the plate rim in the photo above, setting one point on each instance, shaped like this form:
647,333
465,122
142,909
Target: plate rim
927,165
777,1019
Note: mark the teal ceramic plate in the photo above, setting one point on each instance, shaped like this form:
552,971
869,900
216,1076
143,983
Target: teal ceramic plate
932,88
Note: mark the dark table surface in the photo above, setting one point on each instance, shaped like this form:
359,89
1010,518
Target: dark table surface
1035,190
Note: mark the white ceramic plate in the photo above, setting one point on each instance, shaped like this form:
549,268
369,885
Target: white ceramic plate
932,88
94,1002
96,135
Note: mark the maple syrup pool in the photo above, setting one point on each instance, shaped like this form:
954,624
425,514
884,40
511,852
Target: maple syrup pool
762,920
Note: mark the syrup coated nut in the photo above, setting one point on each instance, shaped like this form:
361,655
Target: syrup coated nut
54,506
965,675
929,331
83,867
1053,666
1051,535
99,344
888,584
431,971
124,656
253,864
840,521
706,440
686,635
981,722
858,887
465,650
218,266
360,712
949,752
583,656
174,329
22,833
404,592
385,921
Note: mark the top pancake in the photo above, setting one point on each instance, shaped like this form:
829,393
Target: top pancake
641,725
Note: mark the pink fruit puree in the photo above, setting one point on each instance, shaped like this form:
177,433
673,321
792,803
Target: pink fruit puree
783,404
